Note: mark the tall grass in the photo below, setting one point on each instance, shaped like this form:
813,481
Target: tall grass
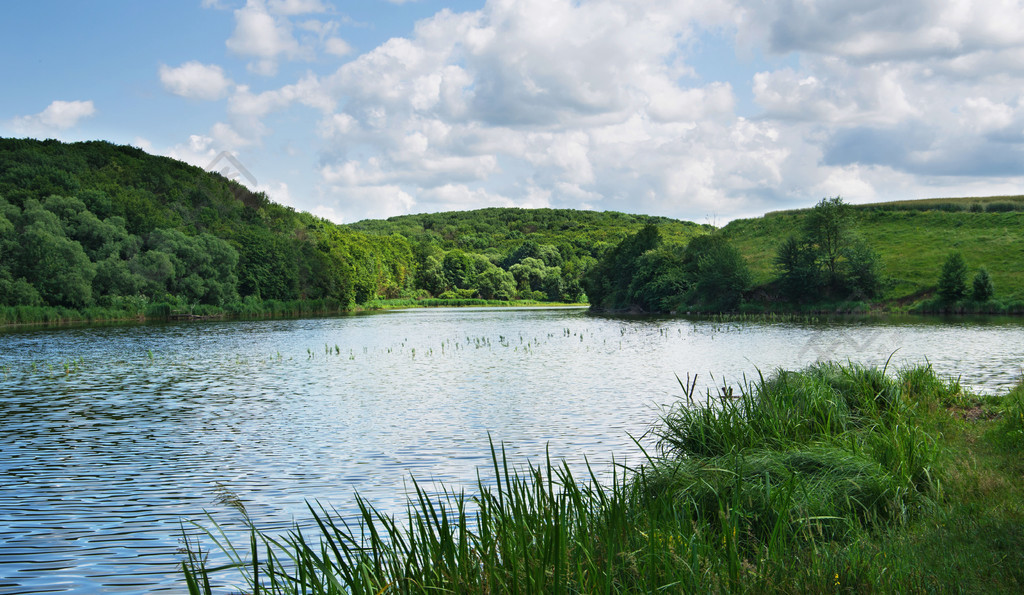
768,489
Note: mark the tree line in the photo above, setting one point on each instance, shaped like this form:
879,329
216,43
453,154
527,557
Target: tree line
96,225
821,262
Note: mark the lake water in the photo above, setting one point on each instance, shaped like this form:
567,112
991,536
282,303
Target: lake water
112,436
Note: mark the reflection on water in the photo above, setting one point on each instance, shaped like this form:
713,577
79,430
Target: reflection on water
113,435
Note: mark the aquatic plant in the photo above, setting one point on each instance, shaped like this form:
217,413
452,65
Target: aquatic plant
778,486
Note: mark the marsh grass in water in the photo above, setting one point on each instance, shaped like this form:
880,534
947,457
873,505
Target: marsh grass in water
813,481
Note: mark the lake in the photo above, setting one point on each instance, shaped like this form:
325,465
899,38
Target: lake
113,435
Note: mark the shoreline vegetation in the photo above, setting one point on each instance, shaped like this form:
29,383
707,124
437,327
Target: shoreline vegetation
14,316
834,478
43,316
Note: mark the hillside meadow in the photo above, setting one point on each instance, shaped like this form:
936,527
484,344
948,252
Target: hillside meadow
912,242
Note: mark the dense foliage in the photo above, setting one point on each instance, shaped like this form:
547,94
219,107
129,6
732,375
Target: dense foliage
100,231
547,252
827,261
646,273
94,224
98,227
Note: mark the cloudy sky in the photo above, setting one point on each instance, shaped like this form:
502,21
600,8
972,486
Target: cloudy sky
692,109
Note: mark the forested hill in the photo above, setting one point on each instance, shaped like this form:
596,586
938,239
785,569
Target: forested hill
541,254
502,230
94,226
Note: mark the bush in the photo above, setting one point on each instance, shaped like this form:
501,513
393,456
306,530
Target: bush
1000,207
982,286
953,279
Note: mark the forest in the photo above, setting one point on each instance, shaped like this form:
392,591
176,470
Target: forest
94,230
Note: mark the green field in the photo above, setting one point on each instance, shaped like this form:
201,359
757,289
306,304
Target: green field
913,239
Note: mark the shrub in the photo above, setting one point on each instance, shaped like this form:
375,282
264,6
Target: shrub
953,279
982,286
1000,207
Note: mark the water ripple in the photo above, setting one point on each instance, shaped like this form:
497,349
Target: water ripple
113,436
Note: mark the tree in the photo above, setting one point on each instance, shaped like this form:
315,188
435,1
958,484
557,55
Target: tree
608,282
827,229
718,273
827,260
494,283
659,280
953,279
59,268
982,286
862,270
799,277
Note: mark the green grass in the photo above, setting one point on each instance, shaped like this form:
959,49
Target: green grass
456,303
836,478
912,243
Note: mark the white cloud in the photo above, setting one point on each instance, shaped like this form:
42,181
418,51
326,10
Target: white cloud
295,7
267,37
337,46
459,197
277,192
195,80
365,202
605,104
57,117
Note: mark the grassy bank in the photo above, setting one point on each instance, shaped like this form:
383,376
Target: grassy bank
459,303
162,311
247,309
833,478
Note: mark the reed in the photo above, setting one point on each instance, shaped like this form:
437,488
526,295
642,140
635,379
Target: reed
784,486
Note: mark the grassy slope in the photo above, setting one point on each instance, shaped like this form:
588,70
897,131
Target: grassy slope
912,244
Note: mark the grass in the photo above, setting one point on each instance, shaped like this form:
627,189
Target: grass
833,478
249,308
457,303
912,243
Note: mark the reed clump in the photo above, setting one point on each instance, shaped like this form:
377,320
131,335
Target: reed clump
794,482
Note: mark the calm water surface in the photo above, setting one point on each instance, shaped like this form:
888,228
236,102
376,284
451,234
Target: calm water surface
111,436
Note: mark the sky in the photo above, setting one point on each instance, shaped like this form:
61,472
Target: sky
697,110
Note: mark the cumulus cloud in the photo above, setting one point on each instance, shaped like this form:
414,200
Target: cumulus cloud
195,80
337,46
349,204
296,7
602,104
266,37
57,117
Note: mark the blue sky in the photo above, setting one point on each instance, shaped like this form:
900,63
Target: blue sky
698,110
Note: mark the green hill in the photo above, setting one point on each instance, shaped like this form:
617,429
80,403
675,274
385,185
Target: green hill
913,238
94,230
502,230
